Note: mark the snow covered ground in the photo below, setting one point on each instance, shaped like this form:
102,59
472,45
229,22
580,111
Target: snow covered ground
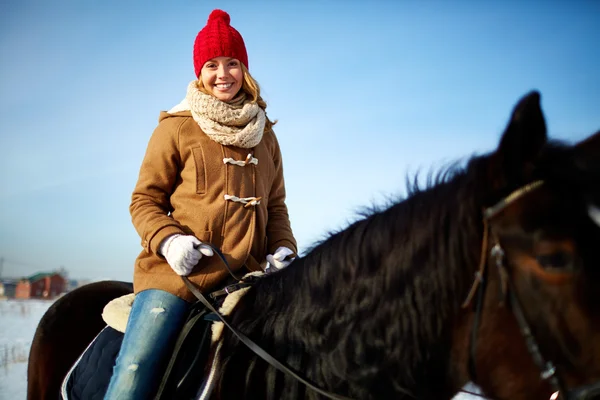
18,320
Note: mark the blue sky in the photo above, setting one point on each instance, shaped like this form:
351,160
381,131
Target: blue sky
366,93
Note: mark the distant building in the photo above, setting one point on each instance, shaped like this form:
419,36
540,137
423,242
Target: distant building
8,288
41,286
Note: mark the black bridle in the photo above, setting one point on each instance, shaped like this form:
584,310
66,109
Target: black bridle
548,370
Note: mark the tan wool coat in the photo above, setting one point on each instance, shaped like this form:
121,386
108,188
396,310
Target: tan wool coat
181,187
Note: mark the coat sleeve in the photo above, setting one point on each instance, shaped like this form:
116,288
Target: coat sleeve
279,230
150,201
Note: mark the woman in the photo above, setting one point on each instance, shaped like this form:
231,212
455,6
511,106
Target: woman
212,173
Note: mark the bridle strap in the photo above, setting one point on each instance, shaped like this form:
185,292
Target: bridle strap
482,264
490,212
547,368
479,286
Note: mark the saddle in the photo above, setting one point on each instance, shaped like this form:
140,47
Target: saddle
189,362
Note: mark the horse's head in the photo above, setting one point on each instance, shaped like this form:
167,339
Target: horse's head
542,261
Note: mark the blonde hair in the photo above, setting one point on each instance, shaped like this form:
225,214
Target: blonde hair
252,90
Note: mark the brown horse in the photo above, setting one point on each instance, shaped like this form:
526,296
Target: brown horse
491,274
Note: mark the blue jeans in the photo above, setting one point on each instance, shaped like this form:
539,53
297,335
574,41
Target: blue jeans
154,322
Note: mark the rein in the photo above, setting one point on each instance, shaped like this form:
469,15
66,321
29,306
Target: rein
249,342
548,371
256,348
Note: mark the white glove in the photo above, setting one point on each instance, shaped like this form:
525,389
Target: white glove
279,259
183,252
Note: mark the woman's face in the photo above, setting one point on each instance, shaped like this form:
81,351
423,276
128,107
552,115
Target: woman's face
223,77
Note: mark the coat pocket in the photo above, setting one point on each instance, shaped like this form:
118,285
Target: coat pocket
198,154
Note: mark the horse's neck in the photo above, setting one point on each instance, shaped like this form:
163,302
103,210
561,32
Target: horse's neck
383,295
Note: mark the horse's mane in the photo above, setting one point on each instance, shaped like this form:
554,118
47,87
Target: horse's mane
365,310
413,185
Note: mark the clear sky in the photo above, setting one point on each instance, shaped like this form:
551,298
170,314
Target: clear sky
366,94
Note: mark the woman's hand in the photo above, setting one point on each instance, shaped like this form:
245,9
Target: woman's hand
183,252
280,259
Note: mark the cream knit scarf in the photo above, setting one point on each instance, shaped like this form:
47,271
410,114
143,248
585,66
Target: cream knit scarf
239,123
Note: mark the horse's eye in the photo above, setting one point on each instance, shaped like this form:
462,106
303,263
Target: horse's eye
559,260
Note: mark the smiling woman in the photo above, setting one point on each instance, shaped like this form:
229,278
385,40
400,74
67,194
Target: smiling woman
216,152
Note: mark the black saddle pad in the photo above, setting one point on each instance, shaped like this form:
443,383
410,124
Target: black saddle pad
89,378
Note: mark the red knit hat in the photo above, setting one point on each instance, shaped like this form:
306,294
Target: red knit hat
218,39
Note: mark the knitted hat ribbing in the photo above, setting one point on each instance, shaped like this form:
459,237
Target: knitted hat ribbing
218,39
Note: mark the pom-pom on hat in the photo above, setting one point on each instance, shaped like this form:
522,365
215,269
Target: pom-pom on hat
218,39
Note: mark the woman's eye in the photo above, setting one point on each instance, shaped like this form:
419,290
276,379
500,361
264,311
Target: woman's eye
233,64
559,260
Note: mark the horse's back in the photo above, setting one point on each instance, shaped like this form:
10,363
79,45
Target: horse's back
64,332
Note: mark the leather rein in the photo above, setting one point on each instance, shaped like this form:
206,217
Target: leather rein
259,351
548,370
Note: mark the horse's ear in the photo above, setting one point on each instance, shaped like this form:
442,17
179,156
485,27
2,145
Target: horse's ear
522,141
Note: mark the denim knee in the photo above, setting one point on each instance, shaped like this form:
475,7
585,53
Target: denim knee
155,320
